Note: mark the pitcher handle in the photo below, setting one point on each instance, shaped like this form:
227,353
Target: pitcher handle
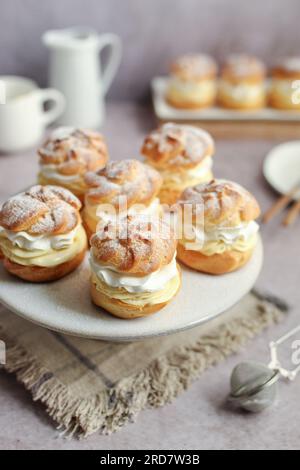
57,104
115,51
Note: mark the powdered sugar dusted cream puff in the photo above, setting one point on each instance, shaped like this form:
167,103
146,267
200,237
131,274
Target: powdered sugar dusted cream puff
242,83
220,233
68,154
192,82
285,84
183,156
41,235
133,264
122,187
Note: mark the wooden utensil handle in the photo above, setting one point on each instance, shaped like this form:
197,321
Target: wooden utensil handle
281,203
292,214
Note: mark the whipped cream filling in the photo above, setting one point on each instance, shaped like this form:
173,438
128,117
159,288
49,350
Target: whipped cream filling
29,242
98,213
228,235
152,209
201,169
194,173
231,234
153,282
50,172
242,91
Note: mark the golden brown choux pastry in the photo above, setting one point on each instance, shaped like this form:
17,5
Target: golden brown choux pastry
218,228
285,90
67,155
122,187
192,83
134,270
183,156
41,235
242,83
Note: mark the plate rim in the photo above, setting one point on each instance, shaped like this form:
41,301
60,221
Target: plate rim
141,337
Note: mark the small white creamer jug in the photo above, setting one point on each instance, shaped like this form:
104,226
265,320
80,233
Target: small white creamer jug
23,117
75,70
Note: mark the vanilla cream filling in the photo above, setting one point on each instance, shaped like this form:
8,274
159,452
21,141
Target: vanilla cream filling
201,90
220,239
139,299
241,91
152,282
50,172
198,173
39,242
46,257
97,213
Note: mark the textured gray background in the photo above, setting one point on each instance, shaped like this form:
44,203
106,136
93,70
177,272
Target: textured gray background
152,31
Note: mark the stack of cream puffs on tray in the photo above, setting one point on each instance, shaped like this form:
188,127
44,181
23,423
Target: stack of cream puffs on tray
68,154
183,156
140,219
242,84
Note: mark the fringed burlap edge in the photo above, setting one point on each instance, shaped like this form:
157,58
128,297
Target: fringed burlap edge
162,381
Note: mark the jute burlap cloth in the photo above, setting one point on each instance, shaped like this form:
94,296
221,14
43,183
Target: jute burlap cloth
89,386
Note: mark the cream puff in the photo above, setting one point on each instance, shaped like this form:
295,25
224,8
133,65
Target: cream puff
183,156
67,155
242,83
285,84
41,235
218,232
192,83
122,187
133,265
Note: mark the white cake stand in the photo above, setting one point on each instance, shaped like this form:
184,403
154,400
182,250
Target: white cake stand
65,305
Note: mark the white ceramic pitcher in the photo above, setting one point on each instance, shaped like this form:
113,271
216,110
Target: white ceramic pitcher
75,70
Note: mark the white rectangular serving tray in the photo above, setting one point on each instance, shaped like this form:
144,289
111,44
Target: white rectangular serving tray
165,112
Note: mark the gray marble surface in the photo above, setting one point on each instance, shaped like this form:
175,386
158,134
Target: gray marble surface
152,31
199,418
